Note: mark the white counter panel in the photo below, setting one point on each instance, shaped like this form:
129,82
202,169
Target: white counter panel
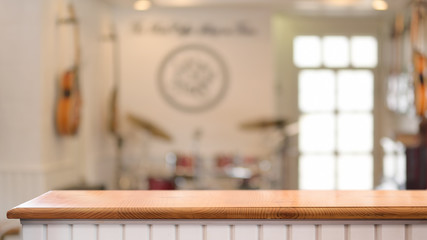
224,230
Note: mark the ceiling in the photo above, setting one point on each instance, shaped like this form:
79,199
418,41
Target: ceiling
313,7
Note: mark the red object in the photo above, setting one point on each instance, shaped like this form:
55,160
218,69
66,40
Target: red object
160,184
223,161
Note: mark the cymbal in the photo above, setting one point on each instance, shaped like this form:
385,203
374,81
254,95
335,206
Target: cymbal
150,127
262,124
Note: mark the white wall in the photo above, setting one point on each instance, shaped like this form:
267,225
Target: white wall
20,78
20,93
33,158
249,60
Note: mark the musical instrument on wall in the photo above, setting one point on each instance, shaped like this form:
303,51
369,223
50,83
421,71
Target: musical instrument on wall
420,62
397,40
68,106
263,123
419,59
287,128
122,181
113,118
150,127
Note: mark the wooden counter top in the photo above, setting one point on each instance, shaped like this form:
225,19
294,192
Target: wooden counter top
225,205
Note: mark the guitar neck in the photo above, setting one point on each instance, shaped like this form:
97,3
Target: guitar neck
76,32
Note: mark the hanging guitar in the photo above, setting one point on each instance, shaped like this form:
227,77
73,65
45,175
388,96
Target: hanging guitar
419,83
419,59
113,120
68,107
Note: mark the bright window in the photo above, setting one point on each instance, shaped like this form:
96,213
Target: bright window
336,99
336,51
316,90
364,51
394,169
354,133
355,90
307,51
355,172
314,136
317,172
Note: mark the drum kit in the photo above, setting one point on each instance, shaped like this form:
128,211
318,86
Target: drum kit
263,125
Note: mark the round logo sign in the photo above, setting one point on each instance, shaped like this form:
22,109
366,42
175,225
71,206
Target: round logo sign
193,78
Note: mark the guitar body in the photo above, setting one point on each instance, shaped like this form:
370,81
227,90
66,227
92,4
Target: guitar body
420,63
68,107
419,60
69,104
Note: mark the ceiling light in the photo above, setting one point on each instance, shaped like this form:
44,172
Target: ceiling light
142,5
379,5
340,3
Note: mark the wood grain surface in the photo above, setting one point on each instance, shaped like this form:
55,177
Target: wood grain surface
224,205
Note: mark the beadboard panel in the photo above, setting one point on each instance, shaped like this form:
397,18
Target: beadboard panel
163,232
274,232
246,232
29,183
392,232
418,231
59,231
362,232
303,232
85,231
332,232
223,230
18,185
34,232
136,232
215,232
110,232
190,232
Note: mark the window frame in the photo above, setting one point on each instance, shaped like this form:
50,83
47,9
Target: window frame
336,112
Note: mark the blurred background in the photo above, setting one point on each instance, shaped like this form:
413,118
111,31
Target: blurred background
210,94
